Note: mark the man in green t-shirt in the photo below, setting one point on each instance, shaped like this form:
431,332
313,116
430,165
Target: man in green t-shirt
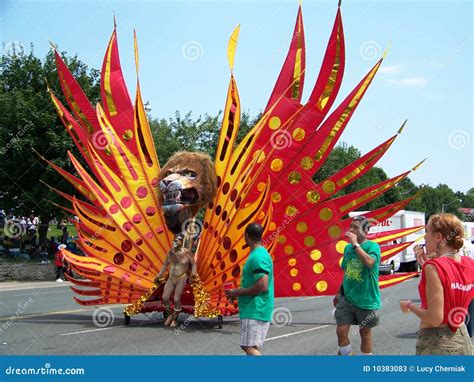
358,299
255,295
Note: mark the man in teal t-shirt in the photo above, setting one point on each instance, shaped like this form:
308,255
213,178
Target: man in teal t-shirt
358,299
255,295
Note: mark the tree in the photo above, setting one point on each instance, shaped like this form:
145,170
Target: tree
185,134
30,121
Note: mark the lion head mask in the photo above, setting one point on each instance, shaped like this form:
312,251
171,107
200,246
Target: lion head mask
187,182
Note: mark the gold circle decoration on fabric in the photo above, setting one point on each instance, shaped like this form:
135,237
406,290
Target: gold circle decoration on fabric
309,241
325,214
312,196
334,231
276,165
329,187
315,254
296,287
294,177
307,163
318,268
274,123
291,210
321,286
341,244
298,134
276,197
301,227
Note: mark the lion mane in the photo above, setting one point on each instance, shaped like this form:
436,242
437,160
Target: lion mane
187,179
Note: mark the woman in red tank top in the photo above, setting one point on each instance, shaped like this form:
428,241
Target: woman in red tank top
446,289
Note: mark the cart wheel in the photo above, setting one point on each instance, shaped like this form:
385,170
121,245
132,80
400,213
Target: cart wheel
219,321
126,319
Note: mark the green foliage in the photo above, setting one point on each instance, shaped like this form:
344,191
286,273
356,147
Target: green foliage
185,134
29,120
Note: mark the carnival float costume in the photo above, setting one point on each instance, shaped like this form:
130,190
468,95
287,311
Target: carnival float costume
127,219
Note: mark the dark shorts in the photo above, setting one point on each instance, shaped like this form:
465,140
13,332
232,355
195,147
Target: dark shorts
348,314
442,341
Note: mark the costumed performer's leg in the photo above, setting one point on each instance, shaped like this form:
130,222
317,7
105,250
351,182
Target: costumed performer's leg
167,290
180,284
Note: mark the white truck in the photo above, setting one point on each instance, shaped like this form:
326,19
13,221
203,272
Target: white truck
468,231
405,261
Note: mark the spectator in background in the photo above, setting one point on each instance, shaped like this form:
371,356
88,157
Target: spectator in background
42,234
358,299
53,246
468,250
65,236
2,218
59,262
445,289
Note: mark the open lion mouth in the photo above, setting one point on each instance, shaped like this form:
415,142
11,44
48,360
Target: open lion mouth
179,196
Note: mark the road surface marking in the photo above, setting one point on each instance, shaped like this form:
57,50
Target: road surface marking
92,330
39,292
310,298
14,318
19,287
299,332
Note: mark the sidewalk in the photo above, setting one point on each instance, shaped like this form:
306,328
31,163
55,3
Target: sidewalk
20,285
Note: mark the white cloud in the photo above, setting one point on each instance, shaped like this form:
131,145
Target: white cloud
431,96
410,82
394,69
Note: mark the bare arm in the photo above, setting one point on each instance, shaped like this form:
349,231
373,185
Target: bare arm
260,286
193,264
433,315
165,266
367,260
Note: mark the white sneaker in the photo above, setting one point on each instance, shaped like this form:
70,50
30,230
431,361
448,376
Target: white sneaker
59,280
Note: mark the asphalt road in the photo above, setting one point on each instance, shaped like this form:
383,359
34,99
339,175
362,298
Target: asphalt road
42,318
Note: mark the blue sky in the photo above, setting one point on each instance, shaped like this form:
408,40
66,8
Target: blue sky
426,78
